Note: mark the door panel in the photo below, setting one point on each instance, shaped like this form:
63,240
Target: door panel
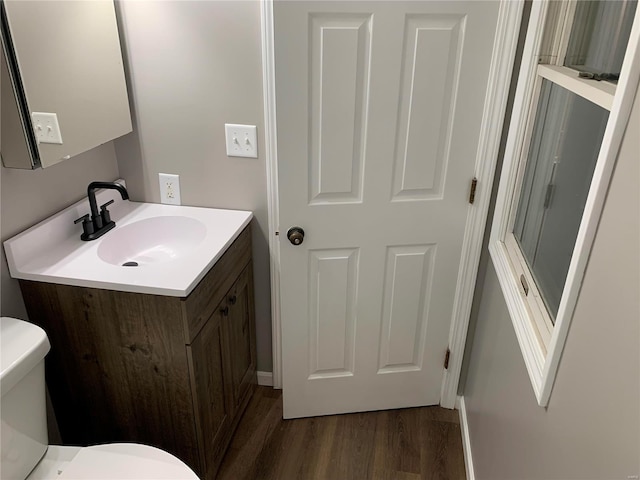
339,63
332,309
407,289
379,107
426,104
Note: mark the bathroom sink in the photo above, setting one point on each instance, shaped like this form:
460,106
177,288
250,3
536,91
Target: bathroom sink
154,248
153,240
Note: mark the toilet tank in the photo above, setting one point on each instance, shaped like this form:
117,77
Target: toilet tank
23,347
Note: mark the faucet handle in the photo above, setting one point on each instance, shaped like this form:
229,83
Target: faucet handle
84,218
104,207
87,224
104,213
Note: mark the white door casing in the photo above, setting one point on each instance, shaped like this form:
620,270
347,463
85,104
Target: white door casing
379,135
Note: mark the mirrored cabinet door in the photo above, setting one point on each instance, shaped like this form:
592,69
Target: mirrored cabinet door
63,82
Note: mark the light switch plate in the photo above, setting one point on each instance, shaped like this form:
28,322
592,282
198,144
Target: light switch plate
242,140
46,127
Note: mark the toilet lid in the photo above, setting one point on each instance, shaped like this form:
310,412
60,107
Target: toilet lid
125,461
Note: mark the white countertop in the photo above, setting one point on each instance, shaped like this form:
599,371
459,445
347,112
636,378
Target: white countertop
52,251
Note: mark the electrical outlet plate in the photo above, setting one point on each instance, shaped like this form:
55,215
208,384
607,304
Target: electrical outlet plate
46,127
169,188
242,140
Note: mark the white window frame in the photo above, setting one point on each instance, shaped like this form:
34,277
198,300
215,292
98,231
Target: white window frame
542,342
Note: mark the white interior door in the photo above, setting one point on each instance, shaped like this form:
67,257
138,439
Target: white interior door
379,108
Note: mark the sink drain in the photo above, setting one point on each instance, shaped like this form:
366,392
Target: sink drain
130,264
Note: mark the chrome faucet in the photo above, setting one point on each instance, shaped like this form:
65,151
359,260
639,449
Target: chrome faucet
95,224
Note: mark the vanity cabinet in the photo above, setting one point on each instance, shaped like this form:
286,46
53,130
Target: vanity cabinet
225,344
175,373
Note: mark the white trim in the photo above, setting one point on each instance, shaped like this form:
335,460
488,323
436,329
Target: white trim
265,379
600,93
505,43
271,160
542,368
466,439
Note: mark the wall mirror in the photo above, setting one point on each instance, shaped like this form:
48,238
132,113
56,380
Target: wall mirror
63,88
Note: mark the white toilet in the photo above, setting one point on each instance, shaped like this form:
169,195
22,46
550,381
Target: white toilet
25,453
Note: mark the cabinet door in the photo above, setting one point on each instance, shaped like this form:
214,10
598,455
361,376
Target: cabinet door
206,359
240,332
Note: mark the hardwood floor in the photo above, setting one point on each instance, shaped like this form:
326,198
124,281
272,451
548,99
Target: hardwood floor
408,444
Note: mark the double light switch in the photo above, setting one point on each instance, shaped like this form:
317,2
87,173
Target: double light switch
241,140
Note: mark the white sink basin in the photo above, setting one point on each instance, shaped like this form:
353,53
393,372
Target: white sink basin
173,246
153,240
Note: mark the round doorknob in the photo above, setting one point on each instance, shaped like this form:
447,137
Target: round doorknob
295,235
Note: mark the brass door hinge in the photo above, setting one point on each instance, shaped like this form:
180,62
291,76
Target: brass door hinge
446,359
472,191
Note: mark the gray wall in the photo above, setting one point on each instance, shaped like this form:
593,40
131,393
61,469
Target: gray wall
591,427
29,196
192,67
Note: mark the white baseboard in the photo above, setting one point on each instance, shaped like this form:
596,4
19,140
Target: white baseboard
265,378
466,439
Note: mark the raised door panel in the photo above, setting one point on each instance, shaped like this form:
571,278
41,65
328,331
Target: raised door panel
426,104
333,277
339,66
213,413
240,332
405,307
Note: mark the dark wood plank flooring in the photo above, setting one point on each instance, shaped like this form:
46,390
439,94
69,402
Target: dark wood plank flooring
407,444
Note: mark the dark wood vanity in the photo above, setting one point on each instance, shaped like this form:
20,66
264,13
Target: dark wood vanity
175,373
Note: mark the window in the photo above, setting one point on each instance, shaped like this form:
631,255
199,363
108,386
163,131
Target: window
579,74
566,139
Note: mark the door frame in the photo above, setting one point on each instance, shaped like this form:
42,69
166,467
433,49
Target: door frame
502,58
